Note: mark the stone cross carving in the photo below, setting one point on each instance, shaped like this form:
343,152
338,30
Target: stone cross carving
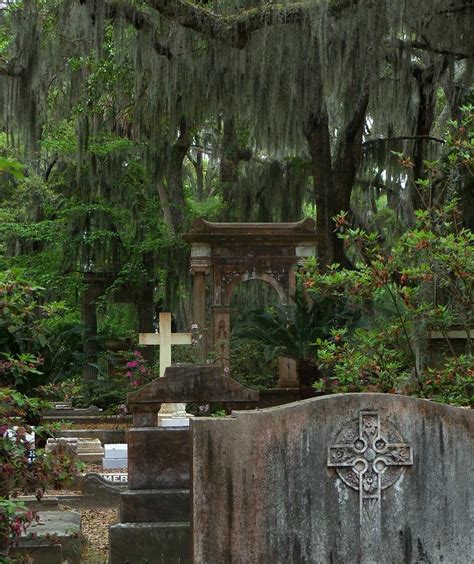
369,458
164,339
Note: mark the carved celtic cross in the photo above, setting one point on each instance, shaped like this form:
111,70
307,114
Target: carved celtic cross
369,458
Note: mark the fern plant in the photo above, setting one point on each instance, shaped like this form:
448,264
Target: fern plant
293,330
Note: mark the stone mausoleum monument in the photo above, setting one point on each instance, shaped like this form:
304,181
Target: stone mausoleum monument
228,254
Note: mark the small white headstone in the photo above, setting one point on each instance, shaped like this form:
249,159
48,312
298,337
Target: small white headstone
118,450
115,456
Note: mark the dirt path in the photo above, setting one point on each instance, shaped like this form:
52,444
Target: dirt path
95,527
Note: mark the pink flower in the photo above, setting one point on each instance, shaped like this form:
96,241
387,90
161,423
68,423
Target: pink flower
129,374
135,383
143,369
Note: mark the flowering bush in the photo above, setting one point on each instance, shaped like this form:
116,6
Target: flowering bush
138,372
424,283
24,468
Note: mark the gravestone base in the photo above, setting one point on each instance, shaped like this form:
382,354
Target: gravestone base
141,506
155,543
167,421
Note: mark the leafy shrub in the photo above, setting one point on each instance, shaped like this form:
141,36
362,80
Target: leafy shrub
425,282
22,469
251,366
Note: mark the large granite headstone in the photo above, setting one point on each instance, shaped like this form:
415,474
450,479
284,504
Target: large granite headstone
356,478
155,511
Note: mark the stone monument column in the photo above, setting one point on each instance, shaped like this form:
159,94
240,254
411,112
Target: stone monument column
222,334
200,268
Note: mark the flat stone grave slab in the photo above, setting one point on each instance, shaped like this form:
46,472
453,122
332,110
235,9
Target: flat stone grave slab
105,436
349,478
115,456
55,539
85,449
66,410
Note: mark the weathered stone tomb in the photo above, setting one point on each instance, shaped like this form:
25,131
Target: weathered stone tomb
343,479
155,512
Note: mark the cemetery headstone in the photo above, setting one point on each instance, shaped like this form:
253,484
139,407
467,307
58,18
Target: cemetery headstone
172,415
115,456
97,491
156,509
354,478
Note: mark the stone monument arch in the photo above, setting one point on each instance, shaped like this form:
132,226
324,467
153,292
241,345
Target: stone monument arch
223,255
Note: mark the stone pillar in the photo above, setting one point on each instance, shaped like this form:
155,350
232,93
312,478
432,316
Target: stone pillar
90,346
200,268
287,374
221,326
199,309
303,251
155,511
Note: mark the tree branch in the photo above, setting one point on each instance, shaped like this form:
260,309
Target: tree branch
425,46
235,29
402,138
141,21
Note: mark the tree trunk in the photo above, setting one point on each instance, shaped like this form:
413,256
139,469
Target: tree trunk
318,138
175,175
231,156
165,205
145,314
426,113
90,345
333,179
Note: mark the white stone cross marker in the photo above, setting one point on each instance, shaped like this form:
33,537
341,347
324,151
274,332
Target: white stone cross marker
164,339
